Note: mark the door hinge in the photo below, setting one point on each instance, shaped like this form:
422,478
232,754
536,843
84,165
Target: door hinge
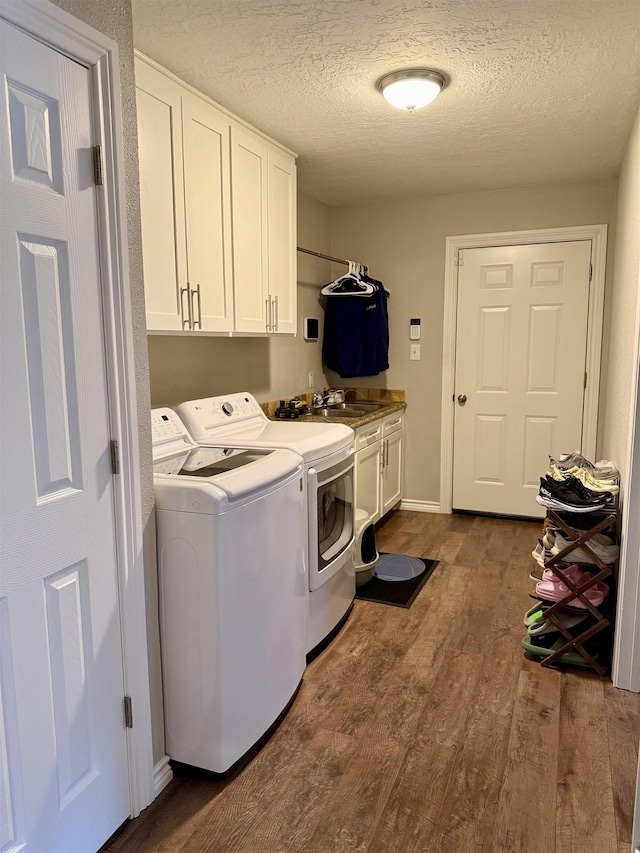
128,712
114,449
98,171
585,379
459,258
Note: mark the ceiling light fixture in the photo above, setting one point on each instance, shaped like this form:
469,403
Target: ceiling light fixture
412,88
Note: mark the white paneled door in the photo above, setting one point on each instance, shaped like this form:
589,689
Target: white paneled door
63,750
520,370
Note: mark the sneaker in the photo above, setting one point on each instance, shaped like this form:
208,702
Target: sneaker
601,484
538,554
604,468
601,545
569,495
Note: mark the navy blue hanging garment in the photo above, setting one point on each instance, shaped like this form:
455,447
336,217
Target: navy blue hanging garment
356,333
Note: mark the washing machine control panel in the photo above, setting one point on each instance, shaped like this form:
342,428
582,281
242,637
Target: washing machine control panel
204,416
169,435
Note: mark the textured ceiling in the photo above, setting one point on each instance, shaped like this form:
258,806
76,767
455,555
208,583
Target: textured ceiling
540,91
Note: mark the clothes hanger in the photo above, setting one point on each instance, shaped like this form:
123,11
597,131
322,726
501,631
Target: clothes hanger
349,284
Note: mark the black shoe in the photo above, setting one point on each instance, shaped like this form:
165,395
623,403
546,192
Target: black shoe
570,495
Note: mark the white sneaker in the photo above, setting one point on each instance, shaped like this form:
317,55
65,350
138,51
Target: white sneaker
538,554
603,468
600,544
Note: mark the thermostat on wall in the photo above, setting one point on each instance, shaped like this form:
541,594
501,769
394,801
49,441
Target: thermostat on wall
311,326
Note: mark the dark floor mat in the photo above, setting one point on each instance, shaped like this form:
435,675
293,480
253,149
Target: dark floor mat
396,593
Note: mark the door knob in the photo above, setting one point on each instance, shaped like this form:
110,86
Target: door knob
462,399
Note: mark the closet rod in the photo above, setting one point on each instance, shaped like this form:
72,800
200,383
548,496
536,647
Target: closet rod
326,257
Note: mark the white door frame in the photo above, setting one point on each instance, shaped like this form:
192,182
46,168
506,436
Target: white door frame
82,43
625,671
598,236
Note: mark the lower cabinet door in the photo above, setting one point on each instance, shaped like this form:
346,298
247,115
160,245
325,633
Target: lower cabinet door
368,480
392,471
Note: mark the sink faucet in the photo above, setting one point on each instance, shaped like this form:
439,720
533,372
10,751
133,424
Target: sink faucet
355,391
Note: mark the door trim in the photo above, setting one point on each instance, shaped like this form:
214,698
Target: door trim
83,44
625,672
597,234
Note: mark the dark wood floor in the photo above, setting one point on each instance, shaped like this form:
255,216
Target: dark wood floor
426,730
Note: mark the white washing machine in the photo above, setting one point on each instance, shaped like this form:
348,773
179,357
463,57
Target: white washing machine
232,584
327,451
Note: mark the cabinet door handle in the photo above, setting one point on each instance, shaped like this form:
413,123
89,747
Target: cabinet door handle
386,460
267,320
196,292
189,320
275,314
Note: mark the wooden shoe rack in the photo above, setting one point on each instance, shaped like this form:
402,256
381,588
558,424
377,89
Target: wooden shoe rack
603,521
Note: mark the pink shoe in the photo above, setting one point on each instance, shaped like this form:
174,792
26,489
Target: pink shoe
575,574
557,591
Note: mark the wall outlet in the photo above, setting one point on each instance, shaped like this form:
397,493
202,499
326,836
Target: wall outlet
310,379
414,352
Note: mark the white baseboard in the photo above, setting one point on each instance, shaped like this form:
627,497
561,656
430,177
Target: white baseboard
162,775
420,506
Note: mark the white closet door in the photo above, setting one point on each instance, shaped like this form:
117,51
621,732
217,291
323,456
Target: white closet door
162,200
520,362
249,156
208,214
63,749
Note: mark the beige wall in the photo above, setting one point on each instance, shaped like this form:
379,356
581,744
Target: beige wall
403,244
186,368
113,19
623,336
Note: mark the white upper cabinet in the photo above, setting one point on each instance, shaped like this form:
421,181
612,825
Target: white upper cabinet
218,216
249,158
207,201
281,222
263,192
161,198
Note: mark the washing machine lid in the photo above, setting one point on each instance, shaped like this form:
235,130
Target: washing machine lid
237,472
238,419
226,473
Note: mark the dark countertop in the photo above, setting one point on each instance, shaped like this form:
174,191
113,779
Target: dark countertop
354,423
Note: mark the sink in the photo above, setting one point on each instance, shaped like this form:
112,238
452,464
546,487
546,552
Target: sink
356,409
337,412
358,404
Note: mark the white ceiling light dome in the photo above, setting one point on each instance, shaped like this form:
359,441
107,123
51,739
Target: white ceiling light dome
412,88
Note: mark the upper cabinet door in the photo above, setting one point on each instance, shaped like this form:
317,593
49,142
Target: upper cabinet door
208,214
249,161
218,206
161,199
282,241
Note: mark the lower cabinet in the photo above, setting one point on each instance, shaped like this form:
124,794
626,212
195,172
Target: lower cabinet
378,468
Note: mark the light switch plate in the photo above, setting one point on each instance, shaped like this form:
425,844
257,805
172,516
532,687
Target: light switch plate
414,352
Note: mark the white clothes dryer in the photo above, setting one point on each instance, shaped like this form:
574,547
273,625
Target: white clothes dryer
328,454
232,586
